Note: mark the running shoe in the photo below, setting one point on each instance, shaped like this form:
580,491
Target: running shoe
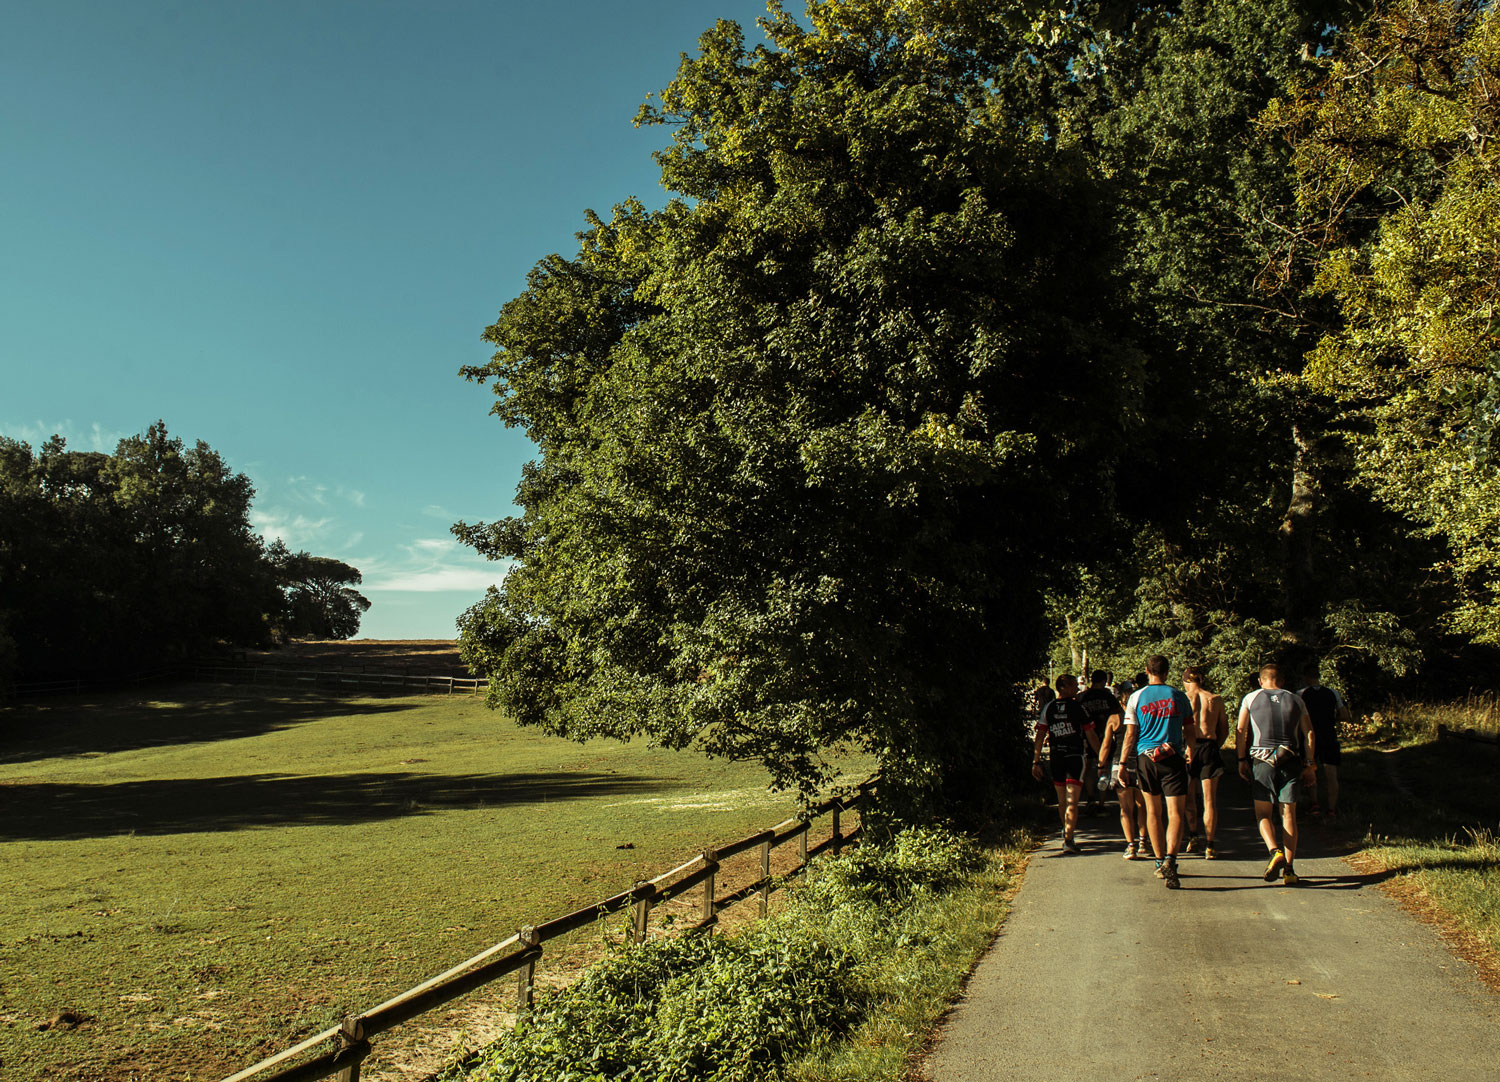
1289,877
1194,843
1278,858
1173,883
1069,845
1131,852
1161,871
1210,853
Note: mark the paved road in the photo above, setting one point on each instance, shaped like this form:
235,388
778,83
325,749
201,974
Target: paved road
1102,973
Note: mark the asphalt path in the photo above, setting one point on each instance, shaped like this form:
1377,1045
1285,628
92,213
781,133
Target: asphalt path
1103,973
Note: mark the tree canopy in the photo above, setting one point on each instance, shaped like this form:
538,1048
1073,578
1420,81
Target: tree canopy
967,323
126,562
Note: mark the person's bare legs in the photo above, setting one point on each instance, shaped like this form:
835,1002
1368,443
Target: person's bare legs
1266,824
1210,808
1331,787
1062,804
1176,823
1070,820
1155,828
1288,831
1127,813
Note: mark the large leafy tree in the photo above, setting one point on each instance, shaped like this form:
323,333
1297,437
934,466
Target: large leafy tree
806,434
1398,172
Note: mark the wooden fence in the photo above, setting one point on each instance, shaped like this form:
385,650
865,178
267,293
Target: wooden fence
268,676
272,676
521,953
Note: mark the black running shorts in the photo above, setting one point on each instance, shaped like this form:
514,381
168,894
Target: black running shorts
1207,762
1067,769
1326,744
1166,778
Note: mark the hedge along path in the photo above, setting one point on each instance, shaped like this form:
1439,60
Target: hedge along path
695,880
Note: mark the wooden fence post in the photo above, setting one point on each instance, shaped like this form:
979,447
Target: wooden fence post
351,1032
707,915
642,911
838,839
765,876
802,840
526,975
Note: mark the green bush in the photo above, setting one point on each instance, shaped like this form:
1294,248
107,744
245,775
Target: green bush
732,1009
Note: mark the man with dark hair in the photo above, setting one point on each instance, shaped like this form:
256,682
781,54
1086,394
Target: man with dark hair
1158,730
1112,770
1101,706
1326,709
1211,728
1278,756
1064,726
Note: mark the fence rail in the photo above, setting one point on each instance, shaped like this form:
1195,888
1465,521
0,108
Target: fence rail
268,676
274,676
520,953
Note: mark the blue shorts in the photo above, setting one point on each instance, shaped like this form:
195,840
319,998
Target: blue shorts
1276,784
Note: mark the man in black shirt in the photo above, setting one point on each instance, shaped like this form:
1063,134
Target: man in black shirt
1326,709
1100,704
1065,726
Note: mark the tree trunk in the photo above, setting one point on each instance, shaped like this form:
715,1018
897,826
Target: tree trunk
1302,603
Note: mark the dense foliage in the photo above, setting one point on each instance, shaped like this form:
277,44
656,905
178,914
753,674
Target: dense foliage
736,1008
120,563
976,327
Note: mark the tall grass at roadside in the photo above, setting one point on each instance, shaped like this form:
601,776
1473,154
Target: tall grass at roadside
843,982
1417,720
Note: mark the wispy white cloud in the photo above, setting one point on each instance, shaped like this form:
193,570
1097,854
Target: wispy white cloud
89,437
431,565
295,529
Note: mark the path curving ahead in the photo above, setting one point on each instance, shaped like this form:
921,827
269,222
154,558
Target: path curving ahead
1101,973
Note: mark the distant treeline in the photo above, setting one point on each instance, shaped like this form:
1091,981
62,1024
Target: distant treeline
112,563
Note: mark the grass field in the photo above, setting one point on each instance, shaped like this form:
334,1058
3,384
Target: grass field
1430,815
195,879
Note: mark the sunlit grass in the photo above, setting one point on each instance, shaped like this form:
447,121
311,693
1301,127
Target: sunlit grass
194,880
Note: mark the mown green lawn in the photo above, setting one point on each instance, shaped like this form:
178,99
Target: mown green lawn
197,879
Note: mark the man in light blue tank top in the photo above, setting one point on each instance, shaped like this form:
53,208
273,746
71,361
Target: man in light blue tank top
1277,751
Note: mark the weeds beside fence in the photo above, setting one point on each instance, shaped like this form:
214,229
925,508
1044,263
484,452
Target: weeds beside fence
521,953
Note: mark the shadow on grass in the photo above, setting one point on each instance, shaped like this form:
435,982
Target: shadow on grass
83,725
190,805
1421,794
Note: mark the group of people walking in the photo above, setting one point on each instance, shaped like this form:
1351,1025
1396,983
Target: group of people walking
1161,750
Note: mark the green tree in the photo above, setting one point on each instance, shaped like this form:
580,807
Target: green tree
319,599
806,433
1397,165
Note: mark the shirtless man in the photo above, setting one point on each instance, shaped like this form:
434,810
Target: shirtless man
1211,725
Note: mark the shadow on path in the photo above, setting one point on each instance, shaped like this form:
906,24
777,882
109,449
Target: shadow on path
189,805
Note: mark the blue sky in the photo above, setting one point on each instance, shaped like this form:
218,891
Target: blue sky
281,228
